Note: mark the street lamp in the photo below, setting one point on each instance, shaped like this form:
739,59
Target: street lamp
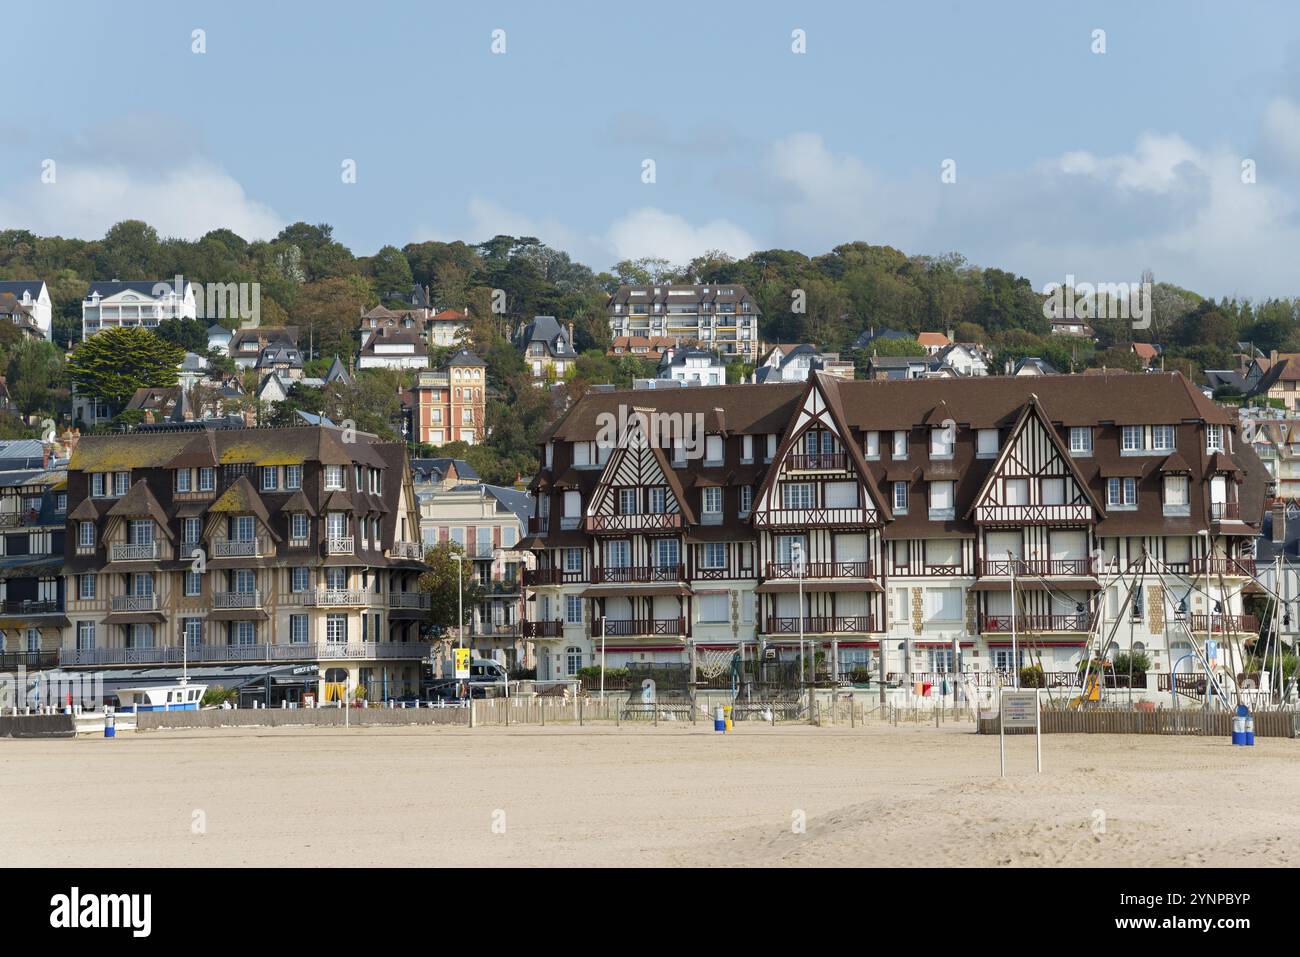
460,604
796,555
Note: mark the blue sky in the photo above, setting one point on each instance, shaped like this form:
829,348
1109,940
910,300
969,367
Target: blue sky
1068,162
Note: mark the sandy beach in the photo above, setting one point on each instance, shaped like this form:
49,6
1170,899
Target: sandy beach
644,796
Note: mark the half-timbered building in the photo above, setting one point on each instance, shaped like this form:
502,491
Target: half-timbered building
917,520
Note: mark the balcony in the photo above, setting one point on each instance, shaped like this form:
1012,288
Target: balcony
13,660
1239,567
534,577
817,462
637,574
408,599
1037,568
347,597
479,550
642,522
542,629
134,603
219,653
539,524
819,570
1032,624
814,517
1225,511
250,549
412,551
342,545
638,627
1215,624
32,607
1034,515
237,599
147,552
821,625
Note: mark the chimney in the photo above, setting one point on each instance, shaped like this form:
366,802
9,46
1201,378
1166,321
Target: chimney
571,335
1279,523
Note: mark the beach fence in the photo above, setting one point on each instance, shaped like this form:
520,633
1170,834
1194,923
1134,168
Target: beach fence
300,717
1268,724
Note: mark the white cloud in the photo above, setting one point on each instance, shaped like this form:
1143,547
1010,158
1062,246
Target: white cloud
184,201
648,231
1280,130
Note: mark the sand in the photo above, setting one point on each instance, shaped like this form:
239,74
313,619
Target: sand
644,796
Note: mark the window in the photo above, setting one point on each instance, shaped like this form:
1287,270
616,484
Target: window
270,478
190,528
626,501
193,584
713,609
1214,438
243,633
941,500
1015,491
98,485
299,526
241,528
207,479
713,449
1131,438
86,586
790,549
667,553
333,477
299,578
797,495
712,500
140,531
1121,493
85,635
746,499
193,632
900,498
1080,441
573,659
573,609
1162,438
618,554
573,559
1176,495
658,500
121,483
871,445
942,441
86,535
900,445
715,555
986,443
293,477
336,628
943,604
184,479
747,448
297,629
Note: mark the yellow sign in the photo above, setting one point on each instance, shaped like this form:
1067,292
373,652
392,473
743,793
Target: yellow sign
462,663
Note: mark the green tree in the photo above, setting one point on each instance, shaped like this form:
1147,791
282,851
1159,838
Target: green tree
34,371
112,364
440,583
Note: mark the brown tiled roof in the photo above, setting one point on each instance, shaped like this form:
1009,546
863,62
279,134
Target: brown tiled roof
139,502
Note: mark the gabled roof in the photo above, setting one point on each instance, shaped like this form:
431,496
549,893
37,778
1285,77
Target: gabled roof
145,287
139,502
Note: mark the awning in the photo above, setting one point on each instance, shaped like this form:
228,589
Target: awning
135,618
237,614
814,584
1022,641
1036,584
633,588
35,621
1175,463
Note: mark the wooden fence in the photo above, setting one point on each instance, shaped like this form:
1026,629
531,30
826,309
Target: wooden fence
1268,724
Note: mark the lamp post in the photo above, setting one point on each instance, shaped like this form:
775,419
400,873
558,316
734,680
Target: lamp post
796,553
460,605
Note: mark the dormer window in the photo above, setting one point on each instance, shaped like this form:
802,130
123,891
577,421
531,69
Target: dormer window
942,441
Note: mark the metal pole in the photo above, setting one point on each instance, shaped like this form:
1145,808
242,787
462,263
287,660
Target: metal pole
602,657
1015,648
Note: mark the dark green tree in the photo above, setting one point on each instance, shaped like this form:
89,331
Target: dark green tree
112,364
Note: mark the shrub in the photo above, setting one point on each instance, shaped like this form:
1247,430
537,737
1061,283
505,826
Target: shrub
591,675
1031,676
218,695
1136,662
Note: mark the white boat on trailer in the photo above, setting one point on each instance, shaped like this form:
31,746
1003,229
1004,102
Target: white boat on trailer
181,696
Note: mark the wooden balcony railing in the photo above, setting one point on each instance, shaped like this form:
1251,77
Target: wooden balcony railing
541,629
134,603
342,545
1239,624
1225,511
1034,514
539,524
636,627
1241,567
349,597
1001,624
553,576
408,599
814,517
821,625
236,549
819,570
817,462
408,550
644,522
201,651
1037,568
32,607
147,552
631,574
237,599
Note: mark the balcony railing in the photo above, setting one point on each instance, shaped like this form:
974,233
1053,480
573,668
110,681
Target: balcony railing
134,603
32,607
1225,511
819,570
817,462
1241,567
1240,624
1034,514
342,545
201,652
237,599
236,549
636,627
539,524
541,629
645,522
1037,568
553,576
814,517
408,550
408,599
135,553
350,597
629,574
821,625
1001,624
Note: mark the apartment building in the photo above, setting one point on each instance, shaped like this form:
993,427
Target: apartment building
33,296
33,517
266,545
722,317
450,404
135,302
487,521
916,517
548,348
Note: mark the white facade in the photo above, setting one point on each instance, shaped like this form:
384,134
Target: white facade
139,304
